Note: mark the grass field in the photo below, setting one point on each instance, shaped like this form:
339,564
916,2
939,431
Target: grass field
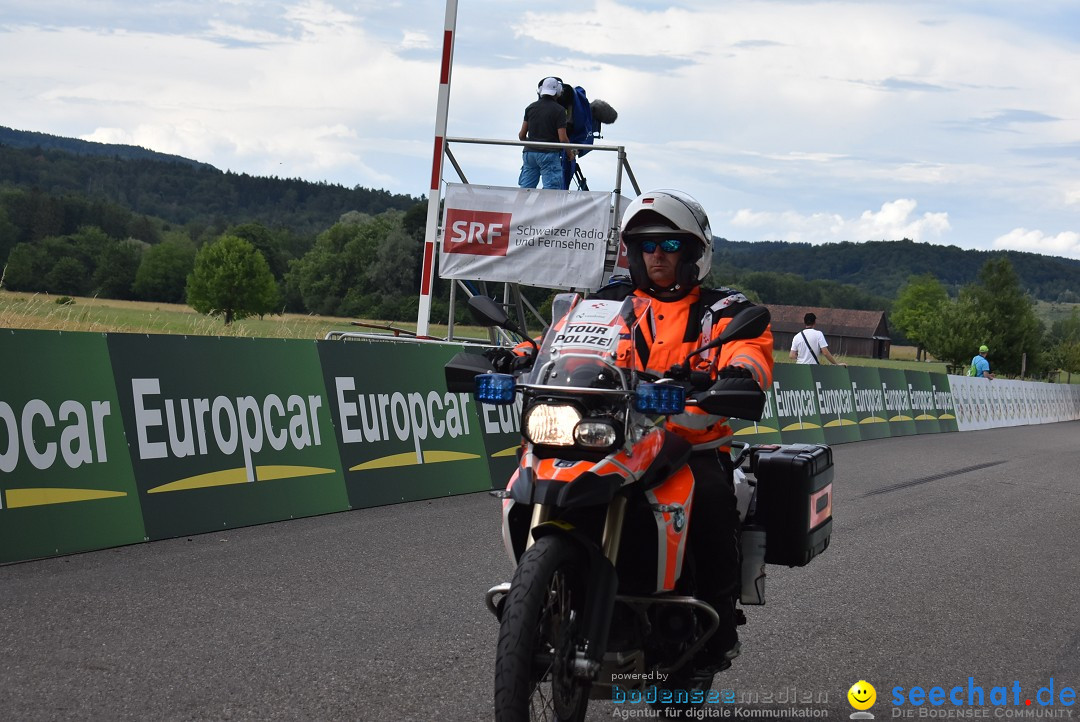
1049,312
103,315
902,357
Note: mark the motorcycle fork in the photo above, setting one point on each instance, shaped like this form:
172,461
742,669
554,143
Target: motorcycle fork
613,526
540,514
600,598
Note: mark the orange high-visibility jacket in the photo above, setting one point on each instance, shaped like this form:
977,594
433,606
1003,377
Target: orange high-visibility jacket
672,329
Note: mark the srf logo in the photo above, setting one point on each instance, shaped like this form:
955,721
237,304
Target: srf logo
481,233
622,261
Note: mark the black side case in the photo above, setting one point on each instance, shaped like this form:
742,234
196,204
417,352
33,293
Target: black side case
794,500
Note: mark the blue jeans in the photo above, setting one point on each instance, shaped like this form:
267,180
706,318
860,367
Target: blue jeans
536,165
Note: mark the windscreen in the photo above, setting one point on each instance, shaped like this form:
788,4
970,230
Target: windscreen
590,343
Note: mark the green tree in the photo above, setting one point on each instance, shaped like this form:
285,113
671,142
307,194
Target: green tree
265,243
1012,328
334,277
918,311
1063,344
67,277
9,235
994,311
163,272
26,266
231,279
393,270
117,266
954,337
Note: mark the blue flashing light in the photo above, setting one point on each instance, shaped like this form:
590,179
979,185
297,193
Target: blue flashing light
660,398
495,389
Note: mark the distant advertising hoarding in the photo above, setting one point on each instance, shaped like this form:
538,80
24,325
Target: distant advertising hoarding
869,398
66,483
112,439
402,435
226,432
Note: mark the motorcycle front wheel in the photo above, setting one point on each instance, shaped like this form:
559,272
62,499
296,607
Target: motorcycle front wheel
540,632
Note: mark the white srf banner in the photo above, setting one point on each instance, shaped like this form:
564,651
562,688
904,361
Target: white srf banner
554,239
984,404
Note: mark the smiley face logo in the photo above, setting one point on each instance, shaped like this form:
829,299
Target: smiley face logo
862,695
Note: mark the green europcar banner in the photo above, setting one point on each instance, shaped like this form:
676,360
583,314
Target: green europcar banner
797,411
226,432
943,401
836,404
923,402
402,435
894,389
66,482
113,439
869,397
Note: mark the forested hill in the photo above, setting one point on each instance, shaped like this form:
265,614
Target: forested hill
44,141
175,189
52,186
881,268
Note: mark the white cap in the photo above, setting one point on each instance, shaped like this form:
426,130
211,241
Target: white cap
550,86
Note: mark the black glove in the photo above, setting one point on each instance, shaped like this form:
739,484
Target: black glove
678,372
505,361
502,359
734,372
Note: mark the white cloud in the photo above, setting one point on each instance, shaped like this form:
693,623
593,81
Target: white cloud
1066,243
804,113
413,40
894,221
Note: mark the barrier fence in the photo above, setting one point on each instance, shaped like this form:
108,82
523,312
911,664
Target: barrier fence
112,439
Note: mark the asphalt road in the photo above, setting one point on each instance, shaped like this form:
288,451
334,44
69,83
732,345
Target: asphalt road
954,556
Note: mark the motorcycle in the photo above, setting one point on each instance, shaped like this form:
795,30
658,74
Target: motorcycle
602,602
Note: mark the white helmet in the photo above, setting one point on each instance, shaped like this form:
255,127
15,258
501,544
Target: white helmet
668,214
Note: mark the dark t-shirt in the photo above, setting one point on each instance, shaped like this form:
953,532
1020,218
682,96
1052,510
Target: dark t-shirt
545,117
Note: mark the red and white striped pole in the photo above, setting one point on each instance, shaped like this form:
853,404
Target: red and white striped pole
427,280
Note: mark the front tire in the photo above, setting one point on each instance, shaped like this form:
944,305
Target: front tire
539,635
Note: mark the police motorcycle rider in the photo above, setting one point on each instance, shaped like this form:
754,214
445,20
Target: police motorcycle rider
669,248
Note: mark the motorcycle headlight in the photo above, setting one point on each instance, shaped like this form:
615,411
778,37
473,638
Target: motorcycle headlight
595,434
551,424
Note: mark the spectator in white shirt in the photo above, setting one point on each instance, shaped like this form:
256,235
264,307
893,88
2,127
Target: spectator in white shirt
810,345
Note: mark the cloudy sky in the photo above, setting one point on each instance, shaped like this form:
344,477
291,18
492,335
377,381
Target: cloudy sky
945,122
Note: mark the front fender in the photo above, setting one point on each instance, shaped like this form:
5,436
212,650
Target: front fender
603,584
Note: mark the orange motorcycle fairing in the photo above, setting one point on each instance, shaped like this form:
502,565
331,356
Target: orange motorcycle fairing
620,463
676,493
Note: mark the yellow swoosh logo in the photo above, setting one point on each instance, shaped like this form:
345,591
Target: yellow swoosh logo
17,498
759,429
226,477
408,458
799,426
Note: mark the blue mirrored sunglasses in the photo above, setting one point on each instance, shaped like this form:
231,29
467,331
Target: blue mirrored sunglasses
671,245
